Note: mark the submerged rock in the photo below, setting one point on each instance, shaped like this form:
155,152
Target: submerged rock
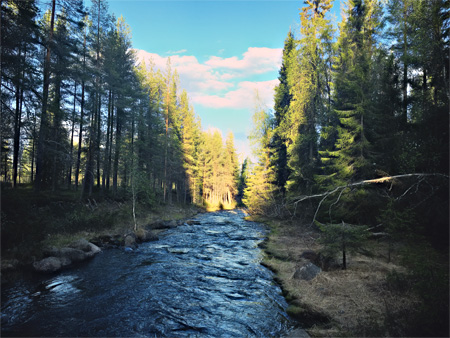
193,222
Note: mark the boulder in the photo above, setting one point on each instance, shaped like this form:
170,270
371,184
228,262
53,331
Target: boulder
89,249
171,224
130,240
307,272
143,235
93,250
72,254
49,264
159,224
81,244
107,241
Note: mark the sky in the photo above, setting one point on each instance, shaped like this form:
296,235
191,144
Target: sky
224,51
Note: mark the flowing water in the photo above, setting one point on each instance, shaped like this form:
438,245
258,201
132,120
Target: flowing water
202,280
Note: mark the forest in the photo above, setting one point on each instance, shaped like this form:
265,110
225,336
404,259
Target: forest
356,145
80,114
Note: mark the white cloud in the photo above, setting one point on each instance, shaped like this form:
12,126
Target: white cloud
242,97
213,83
256,60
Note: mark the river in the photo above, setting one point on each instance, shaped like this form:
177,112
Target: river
202,280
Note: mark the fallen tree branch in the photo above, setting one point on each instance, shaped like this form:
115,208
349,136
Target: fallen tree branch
384,179
364,182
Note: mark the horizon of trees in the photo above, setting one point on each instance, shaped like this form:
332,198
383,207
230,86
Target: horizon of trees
79,113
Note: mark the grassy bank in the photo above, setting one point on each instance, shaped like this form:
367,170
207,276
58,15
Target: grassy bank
372,297
32,222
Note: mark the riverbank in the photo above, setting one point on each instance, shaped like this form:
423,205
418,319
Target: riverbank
359,301
31,224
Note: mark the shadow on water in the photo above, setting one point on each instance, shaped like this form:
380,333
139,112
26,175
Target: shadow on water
197,280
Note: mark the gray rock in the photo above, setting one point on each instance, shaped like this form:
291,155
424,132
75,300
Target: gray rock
130,240
64,261
81,244
171,224
159,224
145,235
93,250
298,333
307,272
75,255
49,264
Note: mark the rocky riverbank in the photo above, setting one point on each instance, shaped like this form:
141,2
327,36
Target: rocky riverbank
61,250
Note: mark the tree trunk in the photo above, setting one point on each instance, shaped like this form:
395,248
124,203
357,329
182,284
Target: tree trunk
105,160
17,125
117,151
69,176
108,176
80,135
40,164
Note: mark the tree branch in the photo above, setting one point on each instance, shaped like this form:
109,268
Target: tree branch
341,188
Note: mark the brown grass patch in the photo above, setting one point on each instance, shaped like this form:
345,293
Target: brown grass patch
357,301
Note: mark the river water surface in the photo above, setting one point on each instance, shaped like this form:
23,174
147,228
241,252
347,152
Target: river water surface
202,280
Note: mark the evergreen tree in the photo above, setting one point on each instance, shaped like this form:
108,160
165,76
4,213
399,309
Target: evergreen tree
308,79
19,34
260,191
283,97
353,93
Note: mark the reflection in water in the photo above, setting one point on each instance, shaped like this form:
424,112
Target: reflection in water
200,280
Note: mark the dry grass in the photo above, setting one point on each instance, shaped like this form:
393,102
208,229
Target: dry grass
356,301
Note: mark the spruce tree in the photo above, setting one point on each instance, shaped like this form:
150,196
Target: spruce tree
308,81
282,98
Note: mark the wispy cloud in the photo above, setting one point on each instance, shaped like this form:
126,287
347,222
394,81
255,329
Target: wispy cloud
181,51
242,97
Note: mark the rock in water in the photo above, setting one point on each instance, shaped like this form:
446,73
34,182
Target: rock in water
307,272
93,250
130,240
49,264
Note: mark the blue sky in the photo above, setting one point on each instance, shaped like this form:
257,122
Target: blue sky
222,50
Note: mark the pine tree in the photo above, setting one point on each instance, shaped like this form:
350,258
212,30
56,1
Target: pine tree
260,191
18,40
353,92
283,97
308,80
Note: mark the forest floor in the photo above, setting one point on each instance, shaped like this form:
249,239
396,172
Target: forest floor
358,301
